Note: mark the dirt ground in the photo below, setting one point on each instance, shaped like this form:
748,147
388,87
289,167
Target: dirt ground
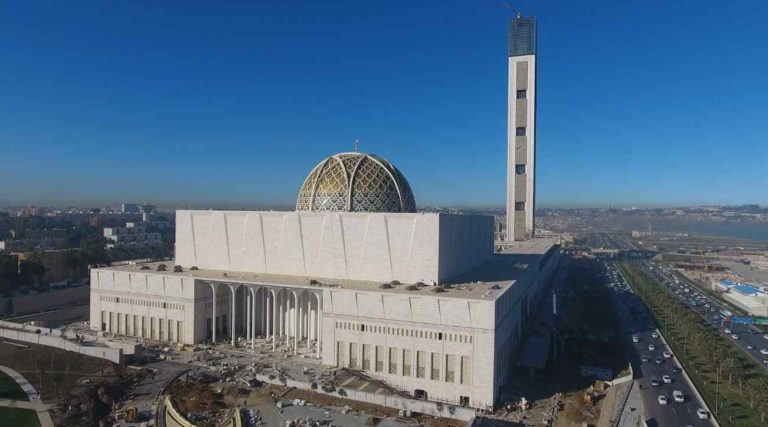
207,400
54,372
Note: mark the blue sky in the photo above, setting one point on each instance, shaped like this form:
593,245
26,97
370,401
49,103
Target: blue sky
196,103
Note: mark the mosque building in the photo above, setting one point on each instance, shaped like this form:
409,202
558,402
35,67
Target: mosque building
355,277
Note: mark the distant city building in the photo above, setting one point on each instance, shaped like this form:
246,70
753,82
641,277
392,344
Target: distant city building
750,297
129,208
147,212
133,235
24,245
521,129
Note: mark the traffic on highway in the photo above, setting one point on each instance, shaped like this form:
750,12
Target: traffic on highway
749,338
668,396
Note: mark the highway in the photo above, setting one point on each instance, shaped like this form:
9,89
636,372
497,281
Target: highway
650,364
748,338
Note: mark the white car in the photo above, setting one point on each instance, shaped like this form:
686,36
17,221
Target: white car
727,331
678,396
763,351
734,336
702,413
635,338
750,347
662,399
655,381
765,336
651,347
655,334
667,379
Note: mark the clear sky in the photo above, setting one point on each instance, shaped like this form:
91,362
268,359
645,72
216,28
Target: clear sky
195,103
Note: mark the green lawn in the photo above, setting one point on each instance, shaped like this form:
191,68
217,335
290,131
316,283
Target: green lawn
10,390
18,417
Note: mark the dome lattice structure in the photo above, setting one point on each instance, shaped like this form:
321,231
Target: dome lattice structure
355,182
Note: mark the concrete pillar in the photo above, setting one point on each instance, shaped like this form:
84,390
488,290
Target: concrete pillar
299,320
213,320
274,320
247,316
233,288
309,325
297,314
319,322
252,322
267,311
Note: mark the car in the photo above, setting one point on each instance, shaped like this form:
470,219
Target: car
702,414
655,381
659,359
655,334
677,369
651,347
734,336
763,351
765,336
662,399
727,331
667,379
678,396
635,338
667,355
644,358
765,361
750,347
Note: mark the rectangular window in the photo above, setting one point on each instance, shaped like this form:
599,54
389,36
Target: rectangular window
435,375
353,355
519,206
366,357
450,368
379,358
392,361
421,364
519,169
407,363
466,370
521,94
520,131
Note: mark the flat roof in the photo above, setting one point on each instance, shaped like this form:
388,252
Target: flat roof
485,282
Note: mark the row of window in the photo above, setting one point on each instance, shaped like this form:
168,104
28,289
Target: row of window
457,369
142,302
403,332
149,327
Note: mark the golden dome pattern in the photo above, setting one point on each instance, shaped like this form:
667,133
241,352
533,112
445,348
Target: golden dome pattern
355,182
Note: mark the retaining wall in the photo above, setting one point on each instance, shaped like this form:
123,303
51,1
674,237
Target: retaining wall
390,401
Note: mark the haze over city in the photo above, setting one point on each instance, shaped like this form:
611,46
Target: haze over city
206,105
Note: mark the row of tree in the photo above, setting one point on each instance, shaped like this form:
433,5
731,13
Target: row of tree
723,373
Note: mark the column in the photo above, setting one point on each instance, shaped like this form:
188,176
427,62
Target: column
232,321
252,323
274,320
296,314
319,317
245,310
287,318
299,321
213,320
309,323
247,316
267,312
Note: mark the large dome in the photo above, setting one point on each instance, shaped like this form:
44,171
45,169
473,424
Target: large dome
355,182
